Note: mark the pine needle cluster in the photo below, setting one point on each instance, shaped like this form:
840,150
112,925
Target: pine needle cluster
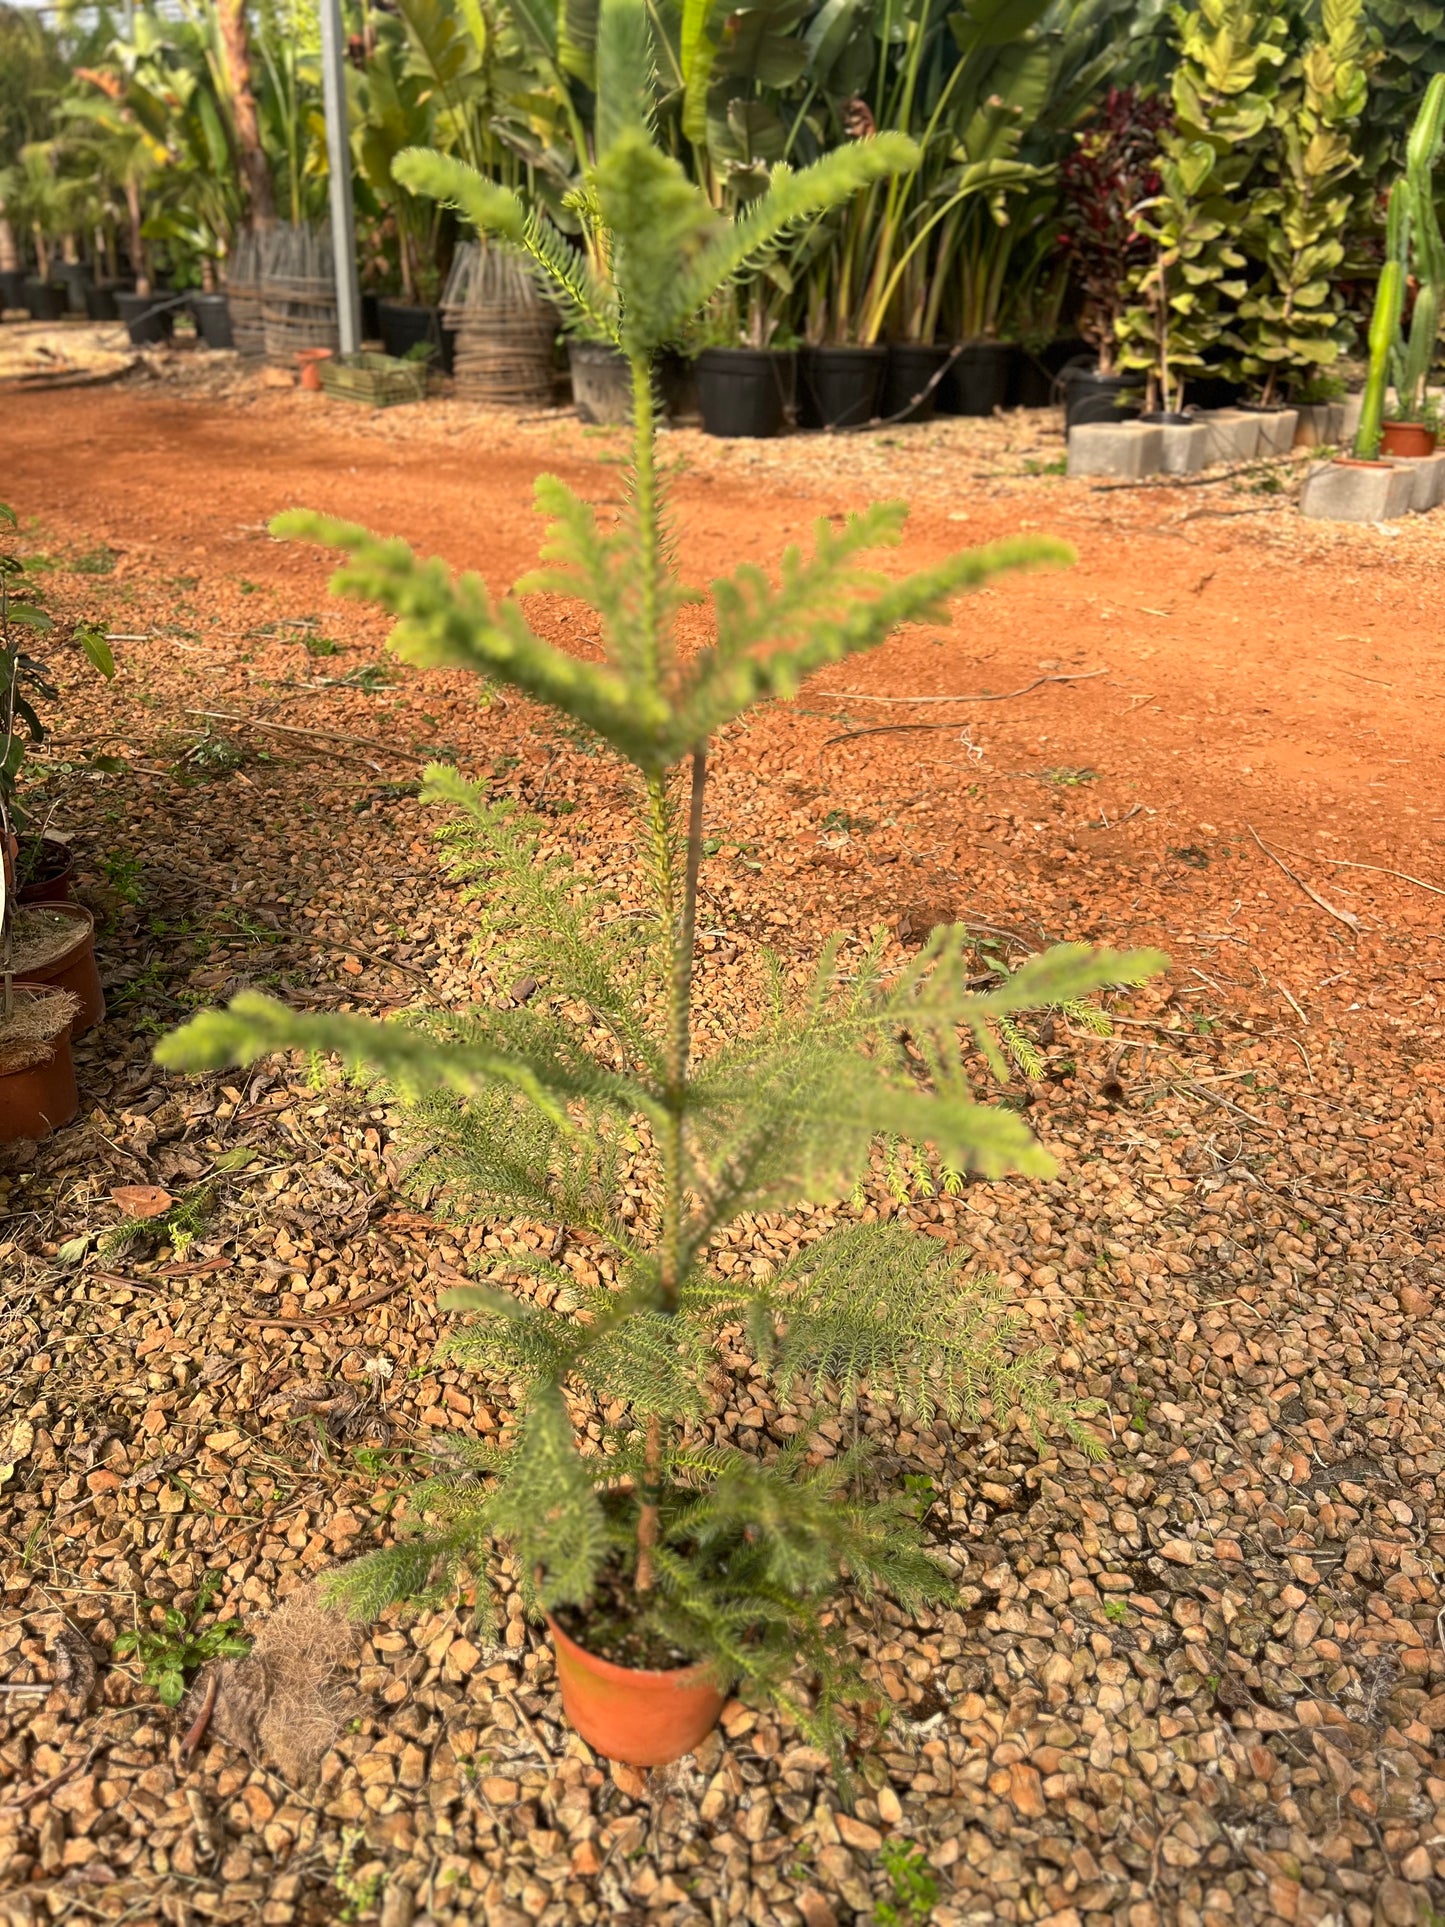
550,1111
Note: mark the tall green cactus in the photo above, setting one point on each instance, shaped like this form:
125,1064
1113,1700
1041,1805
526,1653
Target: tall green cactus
1413,248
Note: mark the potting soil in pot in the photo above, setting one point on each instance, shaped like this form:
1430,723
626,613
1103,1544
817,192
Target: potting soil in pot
608,1628
40,934
34,1023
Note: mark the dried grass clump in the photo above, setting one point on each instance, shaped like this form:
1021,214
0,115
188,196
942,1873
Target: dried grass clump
40,934
286,1701
36,1019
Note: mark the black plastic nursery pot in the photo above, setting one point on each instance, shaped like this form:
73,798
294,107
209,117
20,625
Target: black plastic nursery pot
907,396
1034,370
403,327
977,382
1166,418
149,318
1092,397
677,386
745,392
100,304
12,288
46,300
370,319
601,384
213,319
840,387
77,277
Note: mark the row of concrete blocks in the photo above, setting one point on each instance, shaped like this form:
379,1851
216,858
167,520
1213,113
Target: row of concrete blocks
1374,491
1133,450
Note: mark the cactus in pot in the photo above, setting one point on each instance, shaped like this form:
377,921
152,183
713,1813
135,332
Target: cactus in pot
1414,250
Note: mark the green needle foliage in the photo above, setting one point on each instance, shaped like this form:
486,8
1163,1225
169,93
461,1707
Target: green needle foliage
553,1111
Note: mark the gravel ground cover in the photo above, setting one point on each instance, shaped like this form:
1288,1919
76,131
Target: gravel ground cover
1198,1679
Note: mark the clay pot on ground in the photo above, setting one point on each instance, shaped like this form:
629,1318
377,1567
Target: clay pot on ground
37,1077
309,361
1407,438
640,1718
54,943
44,869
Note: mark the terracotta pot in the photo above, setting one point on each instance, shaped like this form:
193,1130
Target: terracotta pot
1407,438
309,360
51,873
74,969
40,1099
640,1718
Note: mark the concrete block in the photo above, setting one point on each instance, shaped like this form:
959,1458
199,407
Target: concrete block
1427,473
1185,447
1320,424
1357,492
1276,430
1129,449
1233,435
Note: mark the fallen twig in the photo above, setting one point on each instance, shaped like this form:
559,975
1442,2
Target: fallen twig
1344,863
1346,917
324,735
858,696
196,1731
323,1317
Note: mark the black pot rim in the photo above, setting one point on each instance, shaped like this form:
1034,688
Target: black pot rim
737,356
1167,418
848,350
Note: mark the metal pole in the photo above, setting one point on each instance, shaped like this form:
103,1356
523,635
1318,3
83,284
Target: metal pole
338,150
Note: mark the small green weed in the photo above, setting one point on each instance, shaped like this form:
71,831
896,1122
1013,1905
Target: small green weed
168,1654
922,1493
320,646
213,756
1116,1610
369,678
1068,779
1139,1410
97,561
122,873
915,1889
359,1893
1060,466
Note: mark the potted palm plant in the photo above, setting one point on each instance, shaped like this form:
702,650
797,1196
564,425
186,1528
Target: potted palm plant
667,1562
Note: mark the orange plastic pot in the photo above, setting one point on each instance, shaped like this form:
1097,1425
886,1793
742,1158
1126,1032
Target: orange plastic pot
640,1718
74,969
42,1097
1407,438
309,360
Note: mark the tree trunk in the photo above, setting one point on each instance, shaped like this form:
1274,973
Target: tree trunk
42,251
9,247
236,51
137,245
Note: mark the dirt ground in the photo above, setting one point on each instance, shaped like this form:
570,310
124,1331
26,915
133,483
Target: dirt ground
1201,1681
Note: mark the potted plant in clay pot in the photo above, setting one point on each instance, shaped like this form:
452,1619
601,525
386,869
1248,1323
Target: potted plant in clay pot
38,1093
669,1558
41,865
1112,169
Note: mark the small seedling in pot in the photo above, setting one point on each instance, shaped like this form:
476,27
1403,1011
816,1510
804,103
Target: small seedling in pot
166,1654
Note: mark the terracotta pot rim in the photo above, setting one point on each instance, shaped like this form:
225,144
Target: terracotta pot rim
314,354
1359,461
696,1673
